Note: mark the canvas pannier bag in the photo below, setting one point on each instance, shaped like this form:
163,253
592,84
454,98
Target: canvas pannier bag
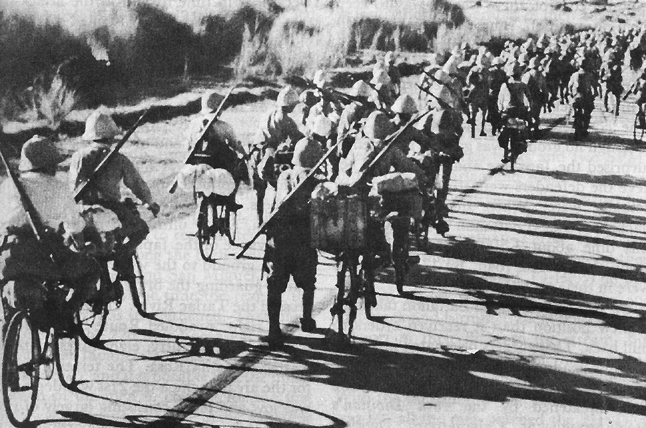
408,202
338,218
395,182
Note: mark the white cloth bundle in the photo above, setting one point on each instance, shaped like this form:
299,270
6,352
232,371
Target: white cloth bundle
202,178
103,219
395,182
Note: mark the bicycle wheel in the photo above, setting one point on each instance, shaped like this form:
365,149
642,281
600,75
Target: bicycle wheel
137,288
93,315
20,374
638,132
578,123
400,253
66,356
232,226
205,231
367,278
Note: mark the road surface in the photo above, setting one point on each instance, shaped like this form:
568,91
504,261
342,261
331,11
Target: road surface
530,313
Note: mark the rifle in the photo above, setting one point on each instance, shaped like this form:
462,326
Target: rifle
307,83
451,90
393,138
173,186
442,104
83,186
300,185
32,215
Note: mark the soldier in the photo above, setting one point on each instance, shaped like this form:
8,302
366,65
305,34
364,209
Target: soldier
580,87
278,130
352,118
514,101
393,71
386,92
639,88
535,81
498,78
612,79
220,148
288,251
25,263
105,190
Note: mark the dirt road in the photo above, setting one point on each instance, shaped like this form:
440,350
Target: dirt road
530,313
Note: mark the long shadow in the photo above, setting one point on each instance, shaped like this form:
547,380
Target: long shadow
613,179
495,376
265,412
474,287
597,139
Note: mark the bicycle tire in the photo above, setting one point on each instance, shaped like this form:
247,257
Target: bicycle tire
11,369
367,277
67,364
400,256
93,315
232,226
337,310
638,132
205,231
137,287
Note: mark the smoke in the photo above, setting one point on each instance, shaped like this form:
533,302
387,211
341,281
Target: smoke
78,16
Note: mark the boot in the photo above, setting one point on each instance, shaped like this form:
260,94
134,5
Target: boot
274,302
308,325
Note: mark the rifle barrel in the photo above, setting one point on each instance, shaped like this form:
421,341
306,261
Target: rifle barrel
173,186
83,187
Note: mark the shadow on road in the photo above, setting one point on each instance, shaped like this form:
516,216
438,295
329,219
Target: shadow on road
484,375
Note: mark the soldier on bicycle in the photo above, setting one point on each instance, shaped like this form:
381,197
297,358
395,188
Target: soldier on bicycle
639,88
581,89
25,262
514,100
220,148
105,189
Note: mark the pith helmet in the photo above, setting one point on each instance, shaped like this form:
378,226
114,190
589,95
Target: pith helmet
320,79
287,97
307,153
378,126
513,68
100,126
404,104
380,77
442,76
497,61
211,100
322,126
361,89
38,152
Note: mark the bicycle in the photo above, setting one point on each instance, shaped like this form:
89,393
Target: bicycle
398,231
639,126
355,280
516,128
24,361
93,314
214,218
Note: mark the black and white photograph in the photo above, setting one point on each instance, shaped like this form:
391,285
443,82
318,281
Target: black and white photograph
323,213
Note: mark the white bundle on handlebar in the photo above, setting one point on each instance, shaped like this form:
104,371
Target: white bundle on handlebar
204,179
516,123
101,218
395,182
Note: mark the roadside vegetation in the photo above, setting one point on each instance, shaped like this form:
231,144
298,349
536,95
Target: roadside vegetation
65,54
